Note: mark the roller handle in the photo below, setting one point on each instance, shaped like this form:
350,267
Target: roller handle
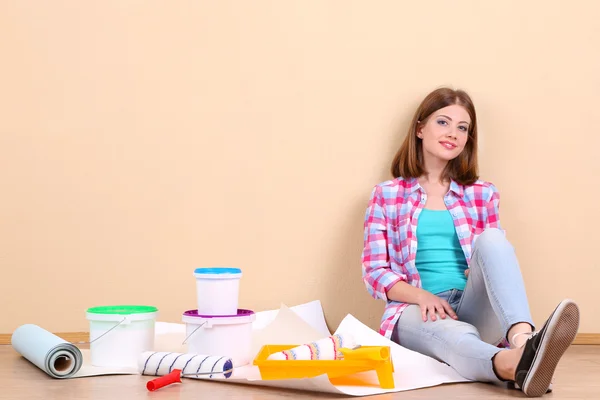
165,380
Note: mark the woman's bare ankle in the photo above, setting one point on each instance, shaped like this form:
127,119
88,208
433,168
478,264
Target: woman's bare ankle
505,363
518,335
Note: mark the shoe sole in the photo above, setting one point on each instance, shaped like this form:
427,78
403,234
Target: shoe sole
559,335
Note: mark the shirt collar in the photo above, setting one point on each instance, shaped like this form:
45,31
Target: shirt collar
456,188
413,186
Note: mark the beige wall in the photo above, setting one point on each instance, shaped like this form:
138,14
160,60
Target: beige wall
142,139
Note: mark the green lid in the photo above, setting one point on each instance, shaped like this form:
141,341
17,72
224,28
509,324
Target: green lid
122,310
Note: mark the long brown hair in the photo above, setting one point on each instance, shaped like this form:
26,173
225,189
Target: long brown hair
408,161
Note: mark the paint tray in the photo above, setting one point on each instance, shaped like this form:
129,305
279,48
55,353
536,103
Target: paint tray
366,358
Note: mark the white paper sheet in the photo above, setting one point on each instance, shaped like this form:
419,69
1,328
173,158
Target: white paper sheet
87,369
311,313
286,328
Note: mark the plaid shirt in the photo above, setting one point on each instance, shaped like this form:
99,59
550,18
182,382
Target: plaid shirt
390,240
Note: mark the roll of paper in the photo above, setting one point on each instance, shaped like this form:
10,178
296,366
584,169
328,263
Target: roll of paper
53,355
323,349
191,365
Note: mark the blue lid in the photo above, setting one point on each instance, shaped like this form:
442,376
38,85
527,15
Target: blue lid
217,270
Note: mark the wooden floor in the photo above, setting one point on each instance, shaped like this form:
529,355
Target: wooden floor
577,377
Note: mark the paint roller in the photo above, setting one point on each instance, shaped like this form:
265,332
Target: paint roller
324,349
171,367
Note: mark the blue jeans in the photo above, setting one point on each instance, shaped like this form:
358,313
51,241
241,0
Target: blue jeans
493,300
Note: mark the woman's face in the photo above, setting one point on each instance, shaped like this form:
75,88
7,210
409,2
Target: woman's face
445,133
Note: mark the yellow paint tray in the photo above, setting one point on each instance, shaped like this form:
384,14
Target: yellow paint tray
362,359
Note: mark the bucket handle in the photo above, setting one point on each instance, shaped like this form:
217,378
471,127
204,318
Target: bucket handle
194,331
122,321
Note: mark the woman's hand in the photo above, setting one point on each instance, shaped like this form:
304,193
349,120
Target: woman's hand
430,304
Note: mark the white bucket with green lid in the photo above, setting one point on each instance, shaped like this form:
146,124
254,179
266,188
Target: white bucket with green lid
119,334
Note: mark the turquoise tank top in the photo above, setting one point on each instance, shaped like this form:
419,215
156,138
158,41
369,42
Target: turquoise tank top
440,259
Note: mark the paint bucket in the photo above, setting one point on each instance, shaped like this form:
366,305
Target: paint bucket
217,290
119,334
228,335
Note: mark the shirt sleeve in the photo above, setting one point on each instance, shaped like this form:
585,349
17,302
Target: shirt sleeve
376,271
493,209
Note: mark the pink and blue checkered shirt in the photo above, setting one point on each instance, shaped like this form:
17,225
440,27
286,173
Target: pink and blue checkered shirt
390,240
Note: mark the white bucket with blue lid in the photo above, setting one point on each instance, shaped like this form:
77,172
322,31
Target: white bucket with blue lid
217,290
